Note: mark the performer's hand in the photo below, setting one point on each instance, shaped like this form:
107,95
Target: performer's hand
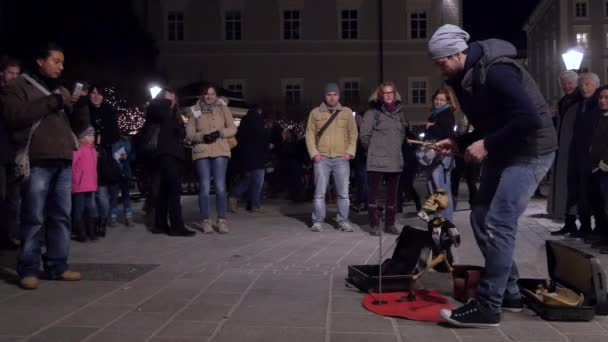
347,156
317,158
476,153
446,146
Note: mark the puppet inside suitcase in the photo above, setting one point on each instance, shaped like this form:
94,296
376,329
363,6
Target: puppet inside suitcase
575,289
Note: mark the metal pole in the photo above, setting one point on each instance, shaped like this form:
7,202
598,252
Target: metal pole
380,43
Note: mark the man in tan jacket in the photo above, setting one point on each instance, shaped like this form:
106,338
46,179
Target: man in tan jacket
331,139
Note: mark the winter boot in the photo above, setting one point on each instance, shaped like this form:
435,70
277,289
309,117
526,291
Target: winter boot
585,228
79,230
569,227
91,229
102,225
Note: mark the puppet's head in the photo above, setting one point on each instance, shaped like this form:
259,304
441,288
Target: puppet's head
434,205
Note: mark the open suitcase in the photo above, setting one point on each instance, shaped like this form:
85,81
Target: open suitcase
575,270
396,271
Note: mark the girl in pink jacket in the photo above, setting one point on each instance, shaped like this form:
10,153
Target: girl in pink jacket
84,186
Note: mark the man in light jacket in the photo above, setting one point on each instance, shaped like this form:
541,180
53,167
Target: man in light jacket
330,147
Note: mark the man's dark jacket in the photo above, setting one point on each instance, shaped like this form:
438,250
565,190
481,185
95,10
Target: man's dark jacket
503,103
252,140
23,105
172,132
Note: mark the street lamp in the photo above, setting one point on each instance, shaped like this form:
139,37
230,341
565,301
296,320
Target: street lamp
572,59
154,90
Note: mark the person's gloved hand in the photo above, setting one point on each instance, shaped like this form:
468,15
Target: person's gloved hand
211,137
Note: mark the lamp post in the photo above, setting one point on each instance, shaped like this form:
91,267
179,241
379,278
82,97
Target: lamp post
154,90
572,59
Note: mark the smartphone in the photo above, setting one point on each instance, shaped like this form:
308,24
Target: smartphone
77,88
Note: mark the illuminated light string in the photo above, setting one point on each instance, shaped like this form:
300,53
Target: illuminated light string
130,118
287,125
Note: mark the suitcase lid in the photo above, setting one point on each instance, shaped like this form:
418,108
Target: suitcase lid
577,270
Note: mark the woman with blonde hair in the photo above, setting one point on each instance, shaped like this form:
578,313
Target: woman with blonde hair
381,135
439,126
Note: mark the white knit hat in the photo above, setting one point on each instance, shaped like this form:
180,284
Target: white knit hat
448,40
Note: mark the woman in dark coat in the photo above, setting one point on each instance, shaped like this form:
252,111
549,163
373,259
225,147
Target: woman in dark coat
105,121
599,167
163,111
439,126
252,149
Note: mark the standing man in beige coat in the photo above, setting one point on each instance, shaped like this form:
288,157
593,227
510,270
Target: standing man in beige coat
331,139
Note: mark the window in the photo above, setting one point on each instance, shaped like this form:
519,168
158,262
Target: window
350,90
175,25
418,22
349,24
235,86
233,25
418,92
582,39
293,94
580,9
291,25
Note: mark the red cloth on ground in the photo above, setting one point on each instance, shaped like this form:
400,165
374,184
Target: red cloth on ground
425,308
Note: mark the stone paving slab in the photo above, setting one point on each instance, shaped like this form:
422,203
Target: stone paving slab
270,279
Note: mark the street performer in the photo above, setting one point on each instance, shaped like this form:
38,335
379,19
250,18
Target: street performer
515,142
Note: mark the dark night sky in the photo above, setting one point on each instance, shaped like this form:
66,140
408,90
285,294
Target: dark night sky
90,30
110,30
109,34
485,19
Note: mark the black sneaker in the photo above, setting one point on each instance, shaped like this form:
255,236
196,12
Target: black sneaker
470,315
512,304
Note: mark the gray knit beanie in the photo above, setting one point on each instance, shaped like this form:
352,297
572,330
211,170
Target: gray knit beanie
331,87
448,40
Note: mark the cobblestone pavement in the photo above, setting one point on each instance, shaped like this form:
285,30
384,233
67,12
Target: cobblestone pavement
270,279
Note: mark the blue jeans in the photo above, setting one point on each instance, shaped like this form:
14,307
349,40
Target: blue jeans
216,168
102,198
83,203
46,199
340,168
503,196
252,183
439,178
123,189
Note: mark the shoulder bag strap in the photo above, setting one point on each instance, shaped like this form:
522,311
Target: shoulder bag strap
38,85
44,91
327,123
